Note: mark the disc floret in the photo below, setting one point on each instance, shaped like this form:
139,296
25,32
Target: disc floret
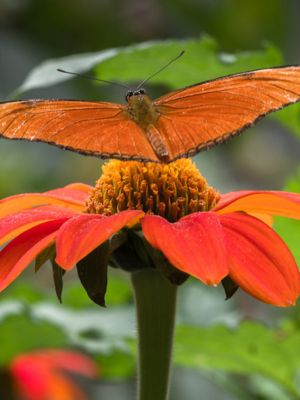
169,190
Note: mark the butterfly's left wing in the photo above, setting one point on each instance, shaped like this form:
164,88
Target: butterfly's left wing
202,115
97,128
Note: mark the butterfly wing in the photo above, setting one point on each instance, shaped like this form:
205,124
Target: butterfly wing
96,128
202,115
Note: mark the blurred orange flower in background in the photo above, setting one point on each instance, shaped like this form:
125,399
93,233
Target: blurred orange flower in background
46,374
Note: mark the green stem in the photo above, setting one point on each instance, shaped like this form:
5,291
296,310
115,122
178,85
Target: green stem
155,301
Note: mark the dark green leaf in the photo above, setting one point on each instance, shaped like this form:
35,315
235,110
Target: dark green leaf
58,274
131,255
92,272
229,286
7,386
47,254
117,240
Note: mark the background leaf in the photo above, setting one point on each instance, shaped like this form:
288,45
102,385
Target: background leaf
287,228
202,60
20,333
248,349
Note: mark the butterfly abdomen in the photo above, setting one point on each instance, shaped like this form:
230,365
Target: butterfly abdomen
158,145
143,112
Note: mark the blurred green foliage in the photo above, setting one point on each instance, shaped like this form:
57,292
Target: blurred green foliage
75,26
250,349
19,333
250,360
287,228
202,60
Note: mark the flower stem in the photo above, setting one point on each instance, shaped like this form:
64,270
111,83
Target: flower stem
155,301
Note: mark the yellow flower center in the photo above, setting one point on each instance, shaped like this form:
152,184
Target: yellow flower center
169,190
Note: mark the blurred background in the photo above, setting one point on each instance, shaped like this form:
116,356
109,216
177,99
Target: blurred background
266,156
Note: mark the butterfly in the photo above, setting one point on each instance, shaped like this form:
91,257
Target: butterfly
178,124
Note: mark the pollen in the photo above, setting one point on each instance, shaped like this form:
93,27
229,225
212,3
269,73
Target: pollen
169,190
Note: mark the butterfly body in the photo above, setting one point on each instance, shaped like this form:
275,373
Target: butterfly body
178,124
142,110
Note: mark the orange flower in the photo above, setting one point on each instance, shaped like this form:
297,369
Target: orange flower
200,232
45,374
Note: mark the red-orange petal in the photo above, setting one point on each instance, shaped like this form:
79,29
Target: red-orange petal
261,202
35,382
259,260
195,244
83,187
58,359
69,361
42,374
82,234
13,225
66,197
73,193
16,256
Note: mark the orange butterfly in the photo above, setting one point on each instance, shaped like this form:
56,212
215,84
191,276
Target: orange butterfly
179,124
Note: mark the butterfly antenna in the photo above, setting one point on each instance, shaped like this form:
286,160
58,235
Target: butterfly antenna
92,78
161,69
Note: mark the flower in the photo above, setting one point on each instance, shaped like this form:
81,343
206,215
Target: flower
45,374
180,221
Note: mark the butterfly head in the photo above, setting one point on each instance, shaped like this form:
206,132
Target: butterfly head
130,93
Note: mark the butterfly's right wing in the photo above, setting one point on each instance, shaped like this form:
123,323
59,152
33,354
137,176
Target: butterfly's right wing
202,115
95,128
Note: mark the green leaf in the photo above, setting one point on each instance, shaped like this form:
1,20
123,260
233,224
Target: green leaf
119,290
94,330
290,118
210,309
46,74
92,272
119,364
293,184
250,349
20,333
118,293
24,292
76,297
201,61
287,228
